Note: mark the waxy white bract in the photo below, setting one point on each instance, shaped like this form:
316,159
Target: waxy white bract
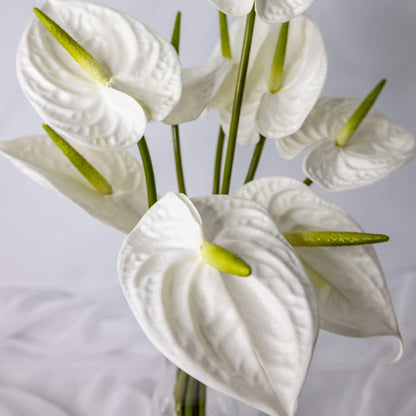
352,293
251,338
271,11
200,84
145,75
280,114
377,148
40,159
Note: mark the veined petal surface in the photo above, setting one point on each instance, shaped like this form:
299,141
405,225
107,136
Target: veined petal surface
280,11
378,148
40,159
352,293
200,85
234,7
251,338
145,83
306,64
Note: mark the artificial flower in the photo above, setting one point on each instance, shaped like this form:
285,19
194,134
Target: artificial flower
40,159
378,147
278,114
251,337
212,84
352,293
271,11
144,75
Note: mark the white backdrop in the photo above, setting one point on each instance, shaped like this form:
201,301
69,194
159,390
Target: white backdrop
66,334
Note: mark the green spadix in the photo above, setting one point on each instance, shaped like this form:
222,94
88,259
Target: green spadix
223,260
176,34
276,73
225,36
84,59
358,117
80,163
308,181
332,238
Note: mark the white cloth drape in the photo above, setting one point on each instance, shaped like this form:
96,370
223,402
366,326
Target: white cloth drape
82,354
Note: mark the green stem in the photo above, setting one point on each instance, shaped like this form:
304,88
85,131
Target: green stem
178,159
191,397
255,160
218,162
175,41
80,163
202,398
308,181
225,36
238,99
148,171
226,53
180,391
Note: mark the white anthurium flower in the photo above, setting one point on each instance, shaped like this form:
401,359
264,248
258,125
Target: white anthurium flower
143,82
276,115
213,83
40,159
251,338
376,149
352,293
271,11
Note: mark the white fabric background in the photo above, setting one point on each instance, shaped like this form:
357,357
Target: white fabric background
68,343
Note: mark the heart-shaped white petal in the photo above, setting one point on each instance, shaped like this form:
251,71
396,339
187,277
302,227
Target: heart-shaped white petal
352,293
40,159
377,148
234,7
146,75
306,63
200,85
280,11
250,337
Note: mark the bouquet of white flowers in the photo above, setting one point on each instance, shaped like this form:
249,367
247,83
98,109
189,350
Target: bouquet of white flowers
232,289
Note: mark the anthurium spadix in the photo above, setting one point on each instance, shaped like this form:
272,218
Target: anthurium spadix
271,11
250,337
352,293
98,76
124,199
376,149
276,114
